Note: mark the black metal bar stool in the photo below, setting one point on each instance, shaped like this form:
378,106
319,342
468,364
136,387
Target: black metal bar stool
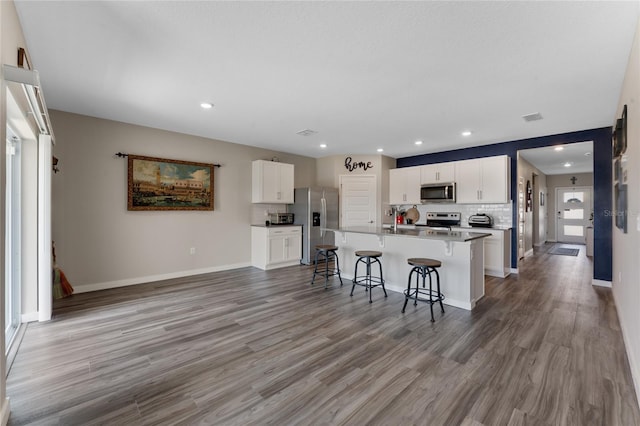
423,267
328,252
368,281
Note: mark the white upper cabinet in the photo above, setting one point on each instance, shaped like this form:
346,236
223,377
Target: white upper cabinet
404,185
483,180
437,173
272,182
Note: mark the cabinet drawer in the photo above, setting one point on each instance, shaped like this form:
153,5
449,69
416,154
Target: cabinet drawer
289,230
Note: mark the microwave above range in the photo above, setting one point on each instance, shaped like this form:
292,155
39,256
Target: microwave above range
438,193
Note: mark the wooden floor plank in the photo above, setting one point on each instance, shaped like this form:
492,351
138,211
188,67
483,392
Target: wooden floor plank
265,347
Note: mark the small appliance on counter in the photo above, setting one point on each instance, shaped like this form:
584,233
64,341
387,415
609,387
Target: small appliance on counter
281,218
480,220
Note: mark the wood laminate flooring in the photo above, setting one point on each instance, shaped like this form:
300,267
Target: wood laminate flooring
249,347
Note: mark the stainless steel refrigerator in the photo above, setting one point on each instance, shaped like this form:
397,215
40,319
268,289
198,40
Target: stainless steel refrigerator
315,209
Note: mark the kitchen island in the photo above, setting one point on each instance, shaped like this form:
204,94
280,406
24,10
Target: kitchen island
461,254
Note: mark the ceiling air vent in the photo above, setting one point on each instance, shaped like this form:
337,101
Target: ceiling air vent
532,117
306,132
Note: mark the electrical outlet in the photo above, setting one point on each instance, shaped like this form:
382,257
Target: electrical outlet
192,250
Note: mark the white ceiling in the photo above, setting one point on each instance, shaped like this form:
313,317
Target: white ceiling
364,75
551,160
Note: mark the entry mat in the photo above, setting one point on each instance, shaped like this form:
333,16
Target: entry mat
565,251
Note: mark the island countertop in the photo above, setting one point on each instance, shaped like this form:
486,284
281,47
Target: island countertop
453,236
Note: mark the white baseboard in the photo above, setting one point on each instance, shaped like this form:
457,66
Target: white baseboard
6,410
514,270
601,283
528,253
30,317
151,278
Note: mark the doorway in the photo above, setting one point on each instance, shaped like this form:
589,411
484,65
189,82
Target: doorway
12,242
574,207
358,200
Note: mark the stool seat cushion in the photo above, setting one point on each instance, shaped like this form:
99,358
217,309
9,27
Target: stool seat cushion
326,247
423,261
368,253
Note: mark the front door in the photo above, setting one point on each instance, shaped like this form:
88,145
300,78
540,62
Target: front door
358,200
573,207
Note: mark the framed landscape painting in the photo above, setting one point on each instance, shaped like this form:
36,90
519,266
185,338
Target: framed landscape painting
161,184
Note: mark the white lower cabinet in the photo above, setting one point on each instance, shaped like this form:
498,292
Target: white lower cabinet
497,251
275,246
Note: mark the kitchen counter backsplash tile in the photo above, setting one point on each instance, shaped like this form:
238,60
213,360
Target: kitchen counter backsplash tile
501,213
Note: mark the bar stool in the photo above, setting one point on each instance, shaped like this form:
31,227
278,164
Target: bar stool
423,267
328,252
368,281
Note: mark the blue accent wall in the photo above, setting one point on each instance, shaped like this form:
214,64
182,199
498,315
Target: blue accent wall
602,189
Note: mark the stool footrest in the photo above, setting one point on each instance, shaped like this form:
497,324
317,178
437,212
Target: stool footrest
414,294
366,281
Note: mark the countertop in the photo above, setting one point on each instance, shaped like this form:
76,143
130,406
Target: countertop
455,236
272,226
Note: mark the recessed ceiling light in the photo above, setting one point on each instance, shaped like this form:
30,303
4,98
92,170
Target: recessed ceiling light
206,105
380,149
567,164
558,148
466,133
323,145
418,142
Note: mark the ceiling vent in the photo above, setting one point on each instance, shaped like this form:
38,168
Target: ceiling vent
532,117
306,132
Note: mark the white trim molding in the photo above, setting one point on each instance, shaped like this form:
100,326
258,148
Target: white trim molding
6,411
601,283
152,278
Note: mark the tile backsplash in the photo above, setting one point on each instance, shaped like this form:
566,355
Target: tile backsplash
501,213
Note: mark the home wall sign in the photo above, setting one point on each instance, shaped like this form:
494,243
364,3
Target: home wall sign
351,165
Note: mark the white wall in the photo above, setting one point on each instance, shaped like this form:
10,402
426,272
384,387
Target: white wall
626,247
100,244
11,38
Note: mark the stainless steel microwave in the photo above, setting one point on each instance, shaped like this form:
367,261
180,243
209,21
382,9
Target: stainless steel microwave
438,193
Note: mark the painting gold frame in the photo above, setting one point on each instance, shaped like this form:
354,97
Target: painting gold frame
163,184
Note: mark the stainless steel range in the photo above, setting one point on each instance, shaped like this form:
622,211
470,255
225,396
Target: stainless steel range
442,220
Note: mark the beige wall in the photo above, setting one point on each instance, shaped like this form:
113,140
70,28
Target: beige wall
562,181
329,169
100,244
626,247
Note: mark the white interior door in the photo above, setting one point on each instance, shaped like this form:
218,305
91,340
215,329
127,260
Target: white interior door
358,200
573,206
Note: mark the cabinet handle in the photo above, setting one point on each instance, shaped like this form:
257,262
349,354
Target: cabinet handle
278,195
437,176
480,194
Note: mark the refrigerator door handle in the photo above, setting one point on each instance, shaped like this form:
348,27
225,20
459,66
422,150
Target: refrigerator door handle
323,216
